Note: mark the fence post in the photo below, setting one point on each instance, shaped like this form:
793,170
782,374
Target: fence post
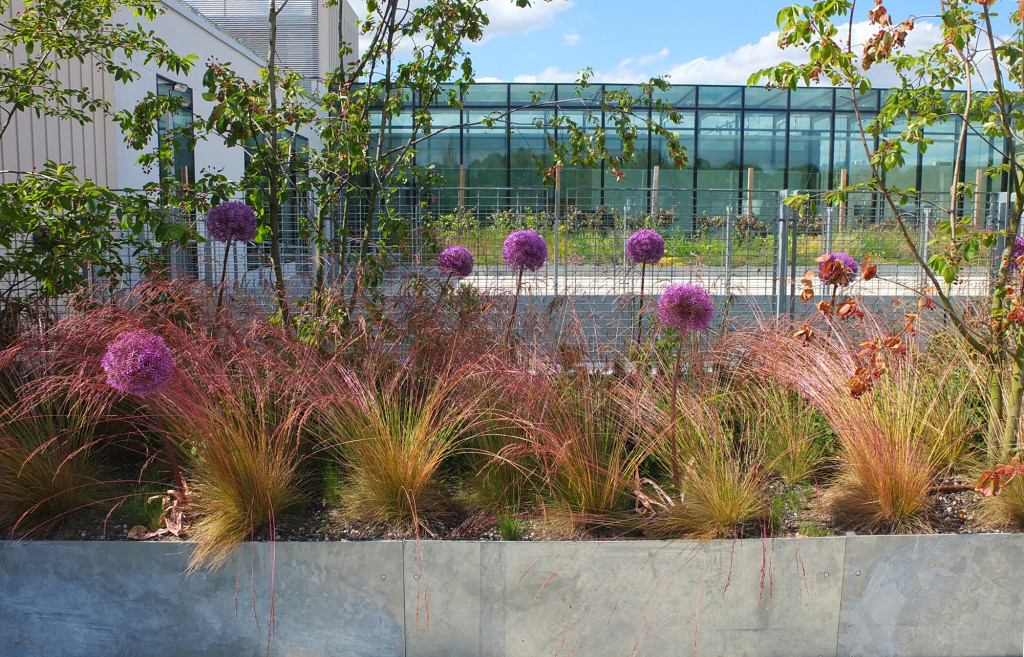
654,191
979,180
558,208
828,230
795,219
728,250
462,192
781,253
844,179
750,191
926,215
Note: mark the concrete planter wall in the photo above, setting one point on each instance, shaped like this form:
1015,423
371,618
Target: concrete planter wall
864,595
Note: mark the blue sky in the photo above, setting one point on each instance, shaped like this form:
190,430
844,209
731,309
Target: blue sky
689,41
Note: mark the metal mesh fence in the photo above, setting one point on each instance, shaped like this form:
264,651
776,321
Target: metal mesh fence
736,243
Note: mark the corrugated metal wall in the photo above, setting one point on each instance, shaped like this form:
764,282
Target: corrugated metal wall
307,39
31,140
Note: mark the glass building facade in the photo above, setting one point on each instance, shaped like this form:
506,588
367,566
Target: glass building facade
797,140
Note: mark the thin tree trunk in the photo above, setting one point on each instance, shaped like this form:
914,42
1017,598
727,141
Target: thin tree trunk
274,173
1010,442
321,256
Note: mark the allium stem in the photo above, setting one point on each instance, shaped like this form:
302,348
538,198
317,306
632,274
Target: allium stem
223,275
640,313
515,303
674,442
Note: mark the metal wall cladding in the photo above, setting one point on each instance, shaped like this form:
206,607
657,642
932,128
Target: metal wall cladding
248,22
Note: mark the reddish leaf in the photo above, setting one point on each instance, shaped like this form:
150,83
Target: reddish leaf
869,269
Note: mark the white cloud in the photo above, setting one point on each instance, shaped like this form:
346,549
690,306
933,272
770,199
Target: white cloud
506,18
570,38
733,67
550,74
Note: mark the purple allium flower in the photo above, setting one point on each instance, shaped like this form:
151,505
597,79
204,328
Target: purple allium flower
831,274
456,260
525,249
1018,251
686,307
138,363
41,234
231,221
645,246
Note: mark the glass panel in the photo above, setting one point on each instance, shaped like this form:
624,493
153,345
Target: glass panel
980,155
764,148
867,102
488,95
522,94
484,151
849,151
718,156
903,177
760,98
634,90
720,96
442,149
807,98
809,156
179,121
937,162
678,96
525,141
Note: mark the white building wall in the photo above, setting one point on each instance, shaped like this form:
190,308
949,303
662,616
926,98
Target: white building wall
186,32
30,140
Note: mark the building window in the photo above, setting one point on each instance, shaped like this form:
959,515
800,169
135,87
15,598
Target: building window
176,125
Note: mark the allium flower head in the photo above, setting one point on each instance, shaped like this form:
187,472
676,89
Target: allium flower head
837,268
41,235
686,307
138,363
645,246
456,260
525,249
1018,251
231,221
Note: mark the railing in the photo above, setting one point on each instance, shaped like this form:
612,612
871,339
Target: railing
738,243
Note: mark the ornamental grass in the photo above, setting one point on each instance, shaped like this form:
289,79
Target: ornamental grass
420,416
589,450
51,466
393,433
894,439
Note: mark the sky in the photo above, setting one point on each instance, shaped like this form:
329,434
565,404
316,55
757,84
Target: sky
689,41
